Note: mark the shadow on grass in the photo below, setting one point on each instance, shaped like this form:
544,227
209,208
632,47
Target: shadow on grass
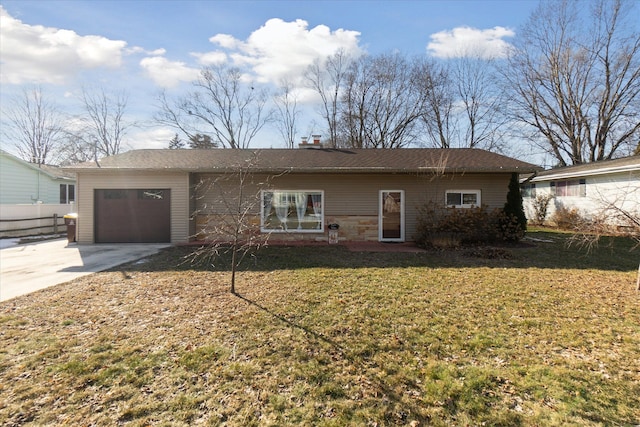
540,250
294,325
388,396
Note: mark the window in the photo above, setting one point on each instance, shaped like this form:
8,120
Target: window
67,193
116,194
528,190
151,194
569,188
462,198
293,211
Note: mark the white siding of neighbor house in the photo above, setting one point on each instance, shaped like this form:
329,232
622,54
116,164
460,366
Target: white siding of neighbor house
618,189
22,183
177,182
357,195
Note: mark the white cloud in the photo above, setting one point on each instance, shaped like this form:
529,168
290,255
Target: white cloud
467,41
138,49
151,138
38,54
211,58
226,41
167,73
279,49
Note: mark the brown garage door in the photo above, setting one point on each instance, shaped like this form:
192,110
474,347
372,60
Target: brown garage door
133,216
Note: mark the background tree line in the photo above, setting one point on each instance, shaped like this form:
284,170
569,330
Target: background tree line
570,86
42,134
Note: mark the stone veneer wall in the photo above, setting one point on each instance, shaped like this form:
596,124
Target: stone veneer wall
359,228
362,228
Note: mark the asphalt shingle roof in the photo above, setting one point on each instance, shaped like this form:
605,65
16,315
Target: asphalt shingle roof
54,172
313,160
625,163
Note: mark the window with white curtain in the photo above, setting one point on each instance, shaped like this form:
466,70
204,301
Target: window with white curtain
569,188
292,211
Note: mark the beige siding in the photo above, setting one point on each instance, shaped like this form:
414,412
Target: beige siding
178,183
357,196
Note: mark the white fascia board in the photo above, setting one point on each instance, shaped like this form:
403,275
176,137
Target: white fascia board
583,174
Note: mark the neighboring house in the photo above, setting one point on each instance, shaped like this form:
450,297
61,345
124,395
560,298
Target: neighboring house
372,194
28,183
598,190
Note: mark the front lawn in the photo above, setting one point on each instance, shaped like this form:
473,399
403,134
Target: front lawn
536,335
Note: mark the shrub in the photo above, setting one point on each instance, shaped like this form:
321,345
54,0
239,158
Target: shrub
441,227
541,208
445,228
513,207
473,225
568,219
509,227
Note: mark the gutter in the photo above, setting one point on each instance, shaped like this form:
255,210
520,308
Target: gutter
605,171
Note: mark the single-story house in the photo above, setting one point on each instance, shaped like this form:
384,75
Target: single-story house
28,183
598,190
371,194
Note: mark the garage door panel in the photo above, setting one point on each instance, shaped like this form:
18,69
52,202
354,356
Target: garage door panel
133,216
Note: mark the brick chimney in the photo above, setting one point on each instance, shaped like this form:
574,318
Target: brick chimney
314,144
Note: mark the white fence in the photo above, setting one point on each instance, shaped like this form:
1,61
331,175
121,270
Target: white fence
30,220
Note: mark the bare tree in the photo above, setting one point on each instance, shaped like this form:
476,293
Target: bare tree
438,114
326,77
35,125
75,149
222,104
575,79
287,112
481,101
617,213
381,102
463,103
228,215
104,125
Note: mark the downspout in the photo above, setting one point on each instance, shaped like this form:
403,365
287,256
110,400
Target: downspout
38,185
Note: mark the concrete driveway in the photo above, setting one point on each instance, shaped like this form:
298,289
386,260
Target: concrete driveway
30,267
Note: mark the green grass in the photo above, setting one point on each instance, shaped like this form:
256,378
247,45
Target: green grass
547,335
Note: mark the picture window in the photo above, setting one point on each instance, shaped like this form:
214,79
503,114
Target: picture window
299,211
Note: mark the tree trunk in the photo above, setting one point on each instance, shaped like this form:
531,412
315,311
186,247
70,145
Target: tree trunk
233,269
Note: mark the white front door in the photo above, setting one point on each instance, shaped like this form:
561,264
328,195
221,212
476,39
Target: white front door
391,216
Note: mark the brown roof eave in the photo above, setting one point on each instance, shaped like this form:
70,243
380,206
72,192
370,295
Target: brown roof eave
365,170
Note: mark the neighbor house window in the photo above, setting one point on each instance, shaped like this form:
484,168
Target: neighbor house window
67,193
528,190
569,188
462,198
292,211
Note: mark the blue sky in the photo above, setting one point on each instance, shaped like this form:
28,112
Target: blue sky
142,47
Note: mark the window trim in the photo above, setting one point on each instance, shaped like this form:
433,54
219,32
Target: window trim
528,190
69,194
381,216
478,194
580,184
309,192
